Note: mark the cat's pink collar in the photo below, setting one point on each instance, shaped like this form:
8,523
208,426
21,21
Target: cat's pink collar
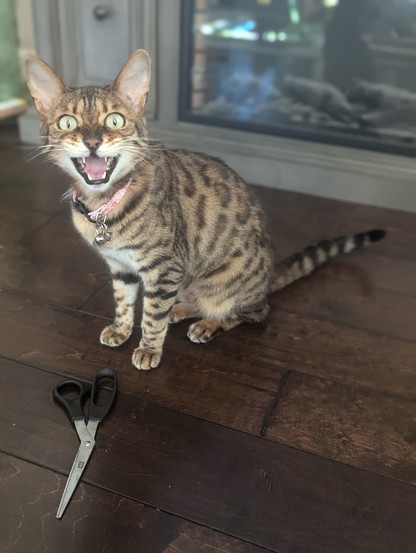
105,208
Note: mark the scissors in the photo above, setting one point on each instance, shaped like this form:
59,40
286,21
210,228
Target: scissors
86,427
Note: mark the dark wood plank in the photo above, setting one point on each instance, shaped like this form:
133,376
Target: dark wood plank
9,132
231,380
53,263
16,223
50,274
96,521
326,349
234,388
346,303
33,186
348,332
299,219
102,303
59,233
360,427
243,485
368,271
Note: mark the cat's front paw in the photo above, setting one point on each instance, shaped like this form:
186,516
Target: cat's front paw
112,337
145,359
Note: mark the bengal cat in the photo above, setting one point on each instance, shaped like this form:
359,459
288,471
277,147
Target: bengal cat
182,223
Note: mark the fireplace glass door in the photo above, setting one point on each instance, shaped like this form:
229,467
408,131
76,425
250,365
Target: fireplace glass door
335,71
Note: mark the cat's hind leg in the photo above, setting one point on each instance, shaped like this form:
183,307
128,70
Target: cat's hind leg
181,311
185,306
206,330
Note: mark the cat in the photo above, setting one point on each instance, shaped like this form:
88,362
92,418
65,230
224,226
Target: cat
183,224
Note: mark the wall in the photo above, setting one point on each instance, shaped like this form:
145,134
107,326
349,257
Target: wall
11,82
25,31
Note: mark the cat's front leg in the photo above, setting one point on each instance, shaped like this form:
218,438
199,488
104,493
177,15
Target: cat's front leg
125,287
158,299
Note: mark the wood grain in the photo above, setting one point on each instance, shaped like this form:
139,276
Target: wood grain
233,388
347,304
323,348
67,280
299,219
180,464
97,521
231,380
30,185
239,484
360,427
369,271
16,223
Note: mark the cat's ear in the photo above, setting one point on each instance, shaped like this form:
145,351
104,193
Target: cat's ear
44,84
133,81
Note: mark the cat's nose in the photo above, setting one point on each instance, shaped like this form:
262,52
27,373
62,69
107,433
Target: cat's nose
92,143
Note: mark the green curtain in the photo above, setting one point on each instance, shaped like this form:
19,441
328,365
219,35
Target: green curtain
11,82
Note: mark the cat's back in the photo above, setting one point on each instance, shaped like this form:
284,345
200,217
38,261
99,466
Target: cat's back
202,179
220,214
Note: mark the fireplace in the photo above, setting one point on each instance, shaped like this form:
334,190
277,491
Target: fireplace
335,71
290,93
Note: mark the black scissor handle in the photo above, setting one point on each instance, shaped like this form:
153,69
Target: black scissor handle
98,412
72,405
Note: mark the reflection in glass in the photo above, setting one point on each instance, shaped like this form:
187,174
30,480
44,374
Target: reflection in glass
333,70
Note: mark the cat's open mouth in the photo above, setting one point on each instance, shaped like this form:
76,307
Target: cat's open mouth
95,170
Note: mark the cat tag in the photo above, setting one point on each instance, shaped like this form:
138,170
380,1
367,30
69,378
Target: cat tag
102,238
102,234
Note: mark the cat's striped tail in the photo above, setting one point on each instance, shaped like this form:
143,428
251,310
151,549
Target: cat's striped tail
305,262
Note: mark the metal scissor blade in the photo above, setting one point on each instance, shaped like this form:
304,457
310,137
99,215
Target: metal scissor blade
92,427
78,466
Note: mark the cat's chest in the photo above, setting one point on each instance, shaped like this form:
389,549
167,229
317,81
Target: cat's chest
119,260
87,229
95,233
112,250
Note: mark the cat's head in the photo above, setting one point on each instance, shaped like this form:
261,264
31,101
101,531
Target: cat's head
94,133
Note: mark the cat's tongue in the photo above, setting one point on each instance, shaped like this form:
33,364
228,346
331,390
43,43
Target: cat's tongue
95,167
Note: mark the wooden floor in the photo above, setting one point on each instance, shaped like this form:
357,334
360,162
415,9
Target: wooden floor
297,435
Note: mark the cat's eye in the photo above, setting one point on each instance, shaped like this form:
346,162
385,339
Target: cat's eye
67,123
114,121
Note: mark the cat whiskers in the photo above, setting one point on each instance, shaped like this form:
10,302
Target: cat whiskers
141,155
144,145
145,158
45,150
149,151
66,195
151,144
